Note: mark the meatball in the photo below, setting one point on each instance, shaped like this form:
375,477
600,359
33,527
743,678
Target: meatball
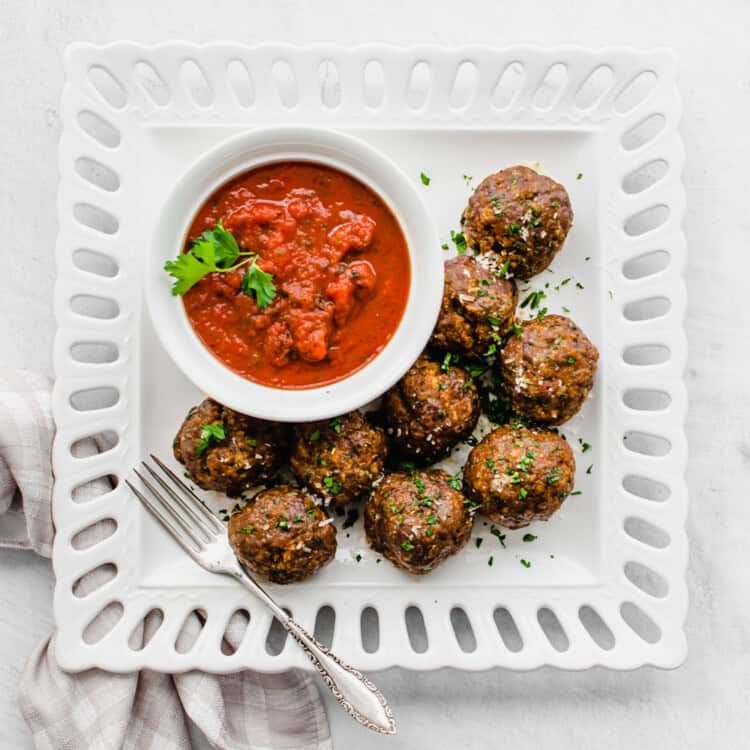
519,474
520,215
548,369
478,307
227,451
417,520
338,459
430,409
283,535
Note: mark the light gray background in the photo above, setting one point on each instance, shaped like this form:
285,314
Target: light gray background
702,705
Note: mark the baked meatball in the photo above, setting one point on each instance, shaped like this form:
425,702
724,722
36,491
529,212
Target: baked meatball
522,216
519,474
548,369
338,459
430,409
478,307
227,451
283,535
417,520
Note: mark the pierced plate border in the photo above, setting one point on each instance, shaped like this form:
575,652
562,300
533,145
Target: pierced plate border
120,377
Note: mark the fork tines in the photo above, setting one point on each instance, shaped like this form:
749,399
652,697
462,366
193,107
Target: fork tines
177,507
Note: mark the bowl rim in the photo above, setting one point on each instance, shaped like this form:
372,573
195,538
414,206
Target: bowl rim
349,154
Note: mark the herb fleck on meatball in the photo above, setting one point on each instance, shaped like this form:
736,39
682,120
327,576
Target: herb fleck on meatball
227,451
283,535
338,459
548,369
519,474
416,520
430,409
520,215
478,307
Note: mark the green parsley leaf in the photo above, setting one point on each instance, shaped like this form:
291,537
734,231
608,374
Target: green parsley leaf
187,271
459,241
425,179
529,537
259,284
579,175
330,484
491,560
478,541
407,546
525,563
247,530
314,435
497,533
210,433
224,247
533,299
215,250
252,442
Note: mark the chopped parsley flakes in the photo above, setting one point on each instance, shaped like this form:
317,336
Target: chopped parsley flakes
211,433
459,241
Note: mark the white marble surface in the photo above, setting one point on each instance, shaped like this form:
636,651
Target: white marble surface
703,704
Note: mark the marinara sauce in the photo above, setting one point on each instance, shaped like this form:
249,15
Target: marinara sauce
339,262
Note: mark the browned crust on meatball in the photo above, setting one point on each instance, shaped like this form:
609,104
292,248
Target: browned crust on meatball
548,369
521,216
283,535
338,459
417,520
430,409
478,307
519,474
249,454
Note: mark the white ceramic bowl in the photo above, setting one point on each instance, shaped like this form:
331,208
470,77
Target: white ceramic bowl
349,155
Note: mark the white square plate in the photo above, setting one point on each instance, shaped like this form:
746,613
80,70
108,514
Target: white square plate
606,581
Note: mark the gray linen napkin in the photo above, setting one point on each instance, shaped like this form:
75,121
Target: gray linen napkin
101,711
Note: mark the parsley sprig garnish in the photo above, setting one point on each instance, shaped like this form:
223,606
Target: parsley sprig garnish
217,251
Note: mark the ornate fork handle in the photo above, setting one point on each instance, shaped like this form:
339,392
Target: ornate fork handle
357,695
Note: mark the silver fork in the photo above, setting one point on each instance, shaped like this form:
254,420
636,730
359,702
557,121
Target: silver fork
180,511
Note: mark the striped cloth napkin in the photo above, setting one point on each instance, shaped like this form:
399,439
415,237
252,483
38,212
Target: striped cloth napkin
101,711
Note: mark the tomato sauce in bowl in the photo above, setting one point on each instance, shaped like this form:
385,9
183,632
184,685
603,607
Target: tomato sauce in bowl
339,262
